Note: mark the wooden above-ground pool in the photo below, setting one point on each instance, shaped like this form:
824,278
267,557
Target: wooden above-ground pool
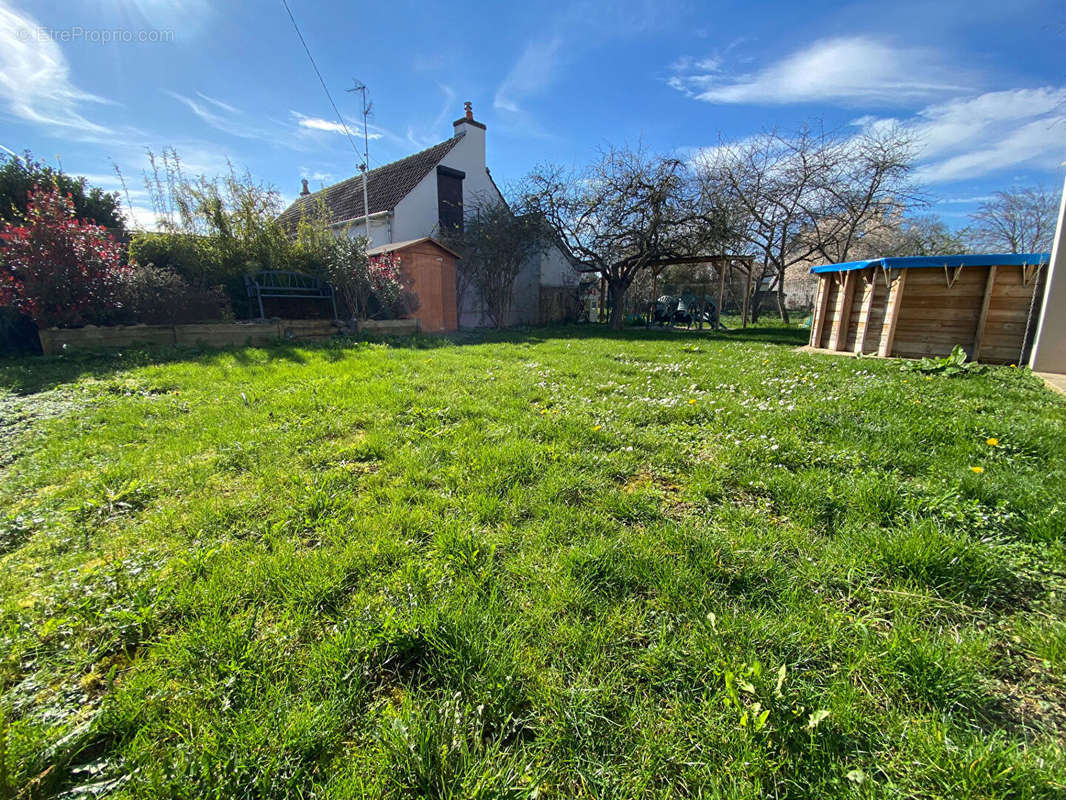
924,306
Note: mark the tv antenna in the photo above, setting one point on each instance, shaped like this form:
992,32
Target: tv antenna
360,87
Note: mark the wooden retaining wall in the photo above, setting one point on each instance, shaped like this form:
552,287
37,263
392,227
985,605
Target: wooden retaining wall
208,334
212,334
916,312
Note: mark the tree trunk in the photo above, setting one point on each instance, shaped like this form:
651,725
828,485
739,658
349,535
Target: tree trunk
781,298
616,293
754,306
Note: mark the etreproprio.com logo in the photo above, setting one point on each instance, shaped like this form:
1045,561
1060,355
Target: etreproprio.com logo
95,35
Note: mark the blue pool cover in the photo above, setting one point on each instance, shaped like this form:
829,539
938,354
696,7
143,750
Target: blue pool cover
917,262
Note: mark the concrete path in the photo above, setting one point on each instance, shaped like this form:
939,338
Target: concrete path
1056,382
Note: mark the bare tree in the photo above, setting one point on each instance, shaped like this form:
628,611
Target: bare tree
496,241
627,212
1020,221
805,196
863,189
911,236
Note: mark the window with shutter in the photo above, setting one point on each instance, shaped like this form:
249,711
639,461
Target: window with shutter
450,198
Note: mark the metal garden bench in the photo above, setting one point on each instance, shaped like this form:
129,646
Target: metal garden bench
295,285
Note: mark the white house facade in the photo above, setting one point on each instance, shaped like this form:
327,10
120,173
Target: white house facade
416,196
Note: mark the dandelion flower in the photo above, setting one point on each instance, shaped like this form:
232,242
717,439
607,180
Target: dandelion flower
977,470
991,441
596,427
692,401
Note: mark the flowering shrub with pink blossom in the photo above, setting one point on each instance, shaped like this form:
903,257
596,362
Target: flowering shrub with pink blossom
386,282
57,269
370,286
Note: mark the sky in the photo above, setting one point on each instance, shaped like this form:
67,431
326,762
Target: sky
95,84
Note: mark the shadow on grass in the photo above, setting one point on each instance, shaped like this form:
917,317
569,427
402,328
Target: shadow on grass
32,374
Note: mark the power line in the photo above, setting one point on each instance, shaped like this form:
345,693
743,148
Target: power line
321,80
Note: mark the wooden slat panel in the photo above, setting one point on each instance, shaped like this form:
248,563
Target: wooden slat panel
819,311
842,316
936,316
1019,314
999,355
872,337
866,312
858,305
832,294
888,330
1010,337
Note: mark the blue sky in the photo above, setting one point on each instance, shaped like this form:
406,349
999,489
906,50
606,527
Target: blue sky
982,85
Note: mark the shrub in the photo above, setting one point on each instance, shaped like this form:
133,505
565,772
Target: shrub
394,300
158,296
199,261
368,286
58,269
184,254
218,230
19,175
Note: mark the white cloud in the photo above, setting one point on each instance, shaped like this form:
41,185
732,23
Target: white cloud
563,34
965,201
848,70
35,82
422,134
975,136
319,124
535,69
689,64
315,175
969,138
189,17
330,126
218,103
207,109
141,217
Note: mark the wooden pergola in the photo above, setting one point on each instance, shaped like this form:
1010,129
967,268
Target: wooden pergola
724,265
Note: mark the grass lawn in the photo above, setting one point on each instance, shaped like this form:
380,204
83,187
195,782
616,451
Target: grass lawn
549,563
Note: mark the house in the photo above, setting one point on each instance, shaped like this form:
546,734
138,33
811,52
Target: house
415,197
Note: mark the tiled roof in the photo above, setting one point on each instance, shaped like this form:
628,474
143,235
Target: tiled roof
386,186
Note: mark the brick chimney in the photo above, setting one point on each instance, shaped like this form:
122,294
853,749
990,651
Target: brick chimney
304,191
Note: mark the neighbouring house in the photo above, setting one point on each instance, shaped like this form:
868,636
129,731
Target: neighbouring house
801,286
410,200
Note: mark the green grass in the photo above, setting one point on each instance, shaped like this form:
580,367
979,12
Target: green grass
549,563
